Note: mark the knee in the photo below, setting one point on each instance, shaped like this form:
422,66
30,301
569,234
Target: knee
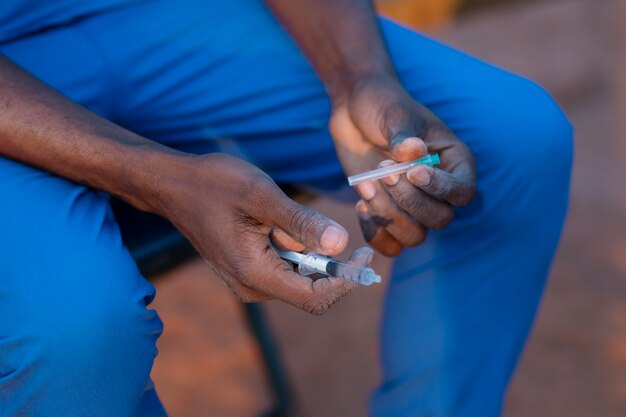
525,162
543,152
76,302
92,354
102,331
538,136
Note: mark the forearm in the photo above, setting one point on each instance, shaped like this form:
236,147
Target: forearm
40,127
341,38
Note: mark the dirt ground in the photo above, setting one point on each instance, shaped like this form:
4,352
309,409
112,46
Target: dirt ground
575,362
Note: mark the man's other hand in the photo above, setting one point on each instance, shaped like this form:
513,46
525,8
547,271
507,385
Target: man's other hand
377,124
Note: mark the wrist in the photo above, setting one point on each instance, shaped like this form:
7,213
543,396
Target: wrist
152,177
351,85
343,85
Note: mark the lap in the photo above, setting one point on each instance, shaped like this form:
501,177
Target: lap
224,76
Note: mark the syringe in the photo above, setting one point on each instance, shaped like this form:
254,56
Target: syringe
314,263
393,169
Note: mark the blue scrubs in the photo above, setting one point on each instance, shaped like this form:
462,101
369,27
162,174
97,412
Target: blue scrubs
76,336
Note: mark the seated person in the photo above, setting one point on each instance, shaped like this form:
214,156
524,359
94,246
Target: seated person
142,99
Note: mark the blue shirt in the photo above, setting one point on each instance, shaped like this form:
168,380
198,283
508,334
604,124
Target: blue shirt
20,18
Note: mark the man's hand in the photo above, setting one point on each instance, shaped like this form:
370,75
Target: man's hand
377,122
229,209
374,119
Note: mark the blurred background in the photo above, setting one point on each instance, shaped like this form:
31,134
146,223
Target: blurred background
210,363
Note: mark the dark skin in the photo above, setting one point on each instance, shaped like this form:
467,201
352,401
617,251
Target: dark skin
374,120
229,209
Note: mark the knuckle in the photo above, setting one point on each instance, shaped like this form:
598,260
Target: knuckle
460,199
301,219
298,218
442,187
446,215
259,190
255,186
413,205
468,196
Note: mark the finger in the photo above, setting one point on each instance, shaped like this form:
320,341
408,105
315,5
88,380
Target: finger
405,144
387,214
431,212
375,234
306,226
240,291
456,188
283,241
274,277
361,257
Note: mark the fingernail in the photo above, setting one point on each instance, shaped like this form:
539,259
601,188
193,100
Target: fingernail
409,146
419,176
391,180
418,143
334,237
367,190
363,256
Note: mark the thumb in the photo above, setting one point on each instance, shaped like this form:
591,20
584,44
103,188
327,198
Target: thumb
403,135
405,145
308,227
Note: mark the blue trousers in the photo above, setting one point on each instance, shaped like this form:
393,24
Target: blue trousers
76,337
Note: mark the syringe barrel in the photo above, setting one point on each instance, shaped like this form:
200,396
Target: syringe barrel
314,263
